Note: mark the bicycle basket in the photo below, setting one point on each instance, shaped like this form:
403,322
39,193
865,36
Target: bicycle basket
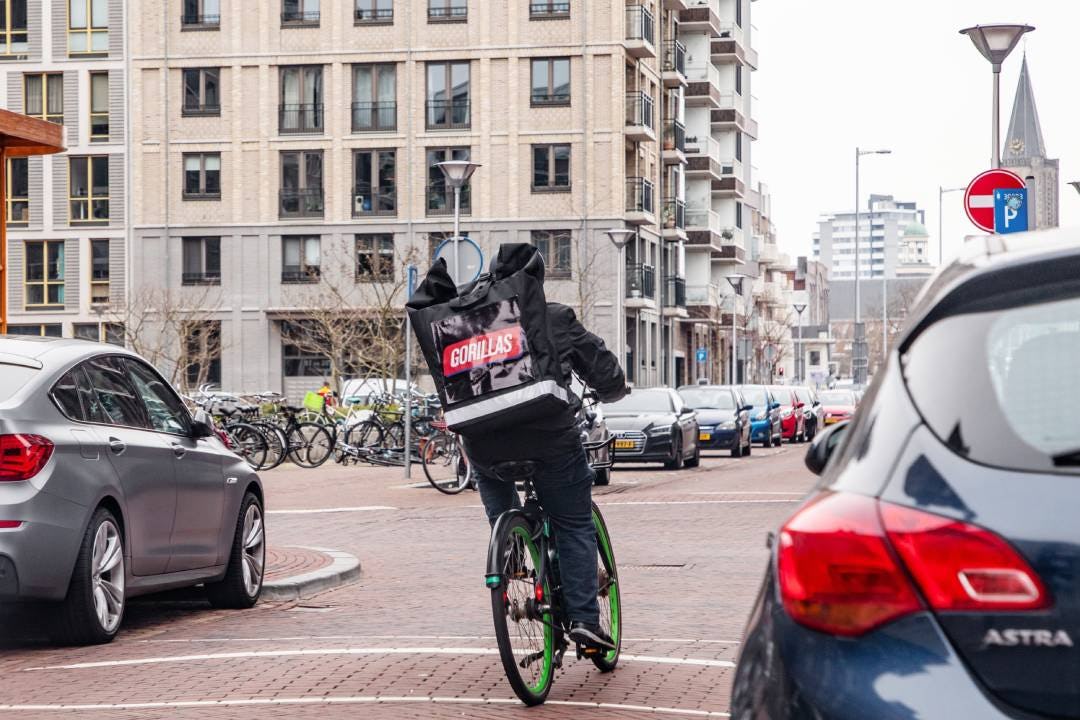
314,402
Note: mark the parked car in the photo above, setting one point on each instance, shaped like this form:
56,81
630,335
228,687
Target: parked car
792,419
838,405
654,425
812,409
933,573
110,488
594,429
764,411
723,417
357,390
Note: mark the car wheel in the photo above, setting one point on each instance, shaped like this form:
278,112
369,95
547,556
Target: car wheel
94,607
603,477
749,448
737,451
242,584
695,461
676,462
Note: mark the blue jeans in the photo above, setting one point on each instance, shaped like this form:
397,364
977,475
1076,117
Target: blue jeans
564,486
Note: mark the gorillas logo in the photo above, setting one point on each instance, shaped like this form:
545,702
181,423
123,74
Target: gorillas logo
483,350
1028,638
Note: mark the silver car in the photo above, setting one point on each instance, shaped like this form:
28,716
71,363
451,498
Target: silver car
110,488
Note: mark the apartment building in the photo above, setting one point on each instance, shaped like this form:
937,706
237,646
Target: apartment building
881,238
285,151
63,61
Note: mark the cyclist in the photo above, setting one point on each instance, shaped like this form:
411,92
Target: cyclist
563,479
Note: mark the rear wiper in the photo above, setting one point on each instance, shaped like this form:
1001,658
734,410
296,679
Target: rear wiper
1067,459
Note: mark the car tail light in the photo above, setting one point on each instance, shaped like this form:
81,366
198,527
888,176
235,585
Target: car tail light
23,456
10,524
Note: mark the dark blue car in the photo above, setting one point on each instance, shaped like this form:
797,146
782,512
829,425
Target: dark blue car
723,417
935,571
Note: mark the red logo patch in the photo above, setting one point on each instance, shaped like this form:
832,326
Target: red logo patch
483,350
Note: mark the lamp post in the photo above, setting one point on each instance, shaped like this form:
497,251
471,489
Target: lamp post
940,226
619,238
799,364
1075,185
995,42
858,345
736,282
457,174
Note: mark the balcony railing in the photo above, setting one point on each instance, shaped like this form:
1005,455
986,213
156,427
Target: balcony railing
639,24
704,73
368,201
190,20
440,200
639,109
674,57
306,274
640,281
201,278
303,118
708,295
447,114
374,16
705,145
447,14
703,218
374,116
639,195
300,17
301,202
549,9
674,214
674,135
675,291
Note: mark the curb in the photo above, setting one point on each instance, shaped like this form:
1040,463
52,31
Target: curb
344,568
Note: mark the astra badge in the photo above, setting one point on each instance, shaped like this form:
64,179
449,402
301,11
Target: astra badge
1028,638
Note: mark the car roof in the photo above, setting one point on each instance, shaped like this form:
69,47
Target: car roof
51,352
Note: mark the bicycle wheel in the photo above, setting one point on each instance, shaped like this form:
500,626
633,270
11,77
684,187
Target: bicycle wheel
525,637
442,460
310,445
249,443
394,437
276,442
367,434
608,594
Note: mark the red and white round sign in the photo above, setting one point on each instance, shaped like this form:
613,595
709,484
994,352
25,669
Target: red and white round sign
979,198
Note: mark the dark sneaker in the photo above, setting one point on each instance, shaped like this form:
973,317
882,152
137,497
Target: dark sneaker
591,636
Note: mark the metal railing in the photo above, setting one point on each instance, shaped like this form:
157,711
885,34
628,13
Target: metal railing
440,199
300,17
374,116
674,57
201,278
674,135
639,109
640,280
640,24
549,9
546,98
447,114
300,202
302,118
674,214
306,274
197,20
368,201
639,195
447,14
675,291
374,15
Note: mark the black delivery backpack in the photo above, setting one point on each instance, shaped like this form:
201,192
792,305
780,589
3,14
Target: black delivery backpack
489,348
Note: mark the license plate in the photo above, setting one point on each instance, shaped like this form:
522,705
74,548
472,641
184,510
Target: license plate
624,444
705,437
830,421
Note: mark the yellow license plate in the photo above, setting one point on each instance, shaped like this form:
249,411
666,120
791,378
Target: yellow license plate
830,421
624,444
705,437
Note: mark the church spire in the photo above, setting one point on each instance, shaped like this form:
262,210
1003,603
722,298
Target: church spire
1024,140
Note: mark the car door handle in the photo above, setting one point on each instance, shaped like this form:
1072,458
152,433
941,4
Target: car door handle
117,445
179,450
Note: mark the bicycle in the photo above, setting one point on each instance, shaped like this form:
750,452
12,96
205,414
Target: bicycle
526,590
309,444
445,464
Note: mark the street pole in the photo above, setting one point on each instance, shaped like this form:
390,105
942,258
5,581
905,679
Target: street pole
736,286
800,362
410,277
940,215
884,313
457,233
859,358
995,157
619,237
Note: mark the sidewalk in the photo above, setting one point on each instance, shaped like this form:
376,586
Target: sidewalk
294,573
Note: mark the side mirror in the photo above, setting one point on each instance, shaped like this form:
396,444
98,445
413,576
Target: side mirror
800,405
202,425
590,417
773,406
687,411
823,446
746,408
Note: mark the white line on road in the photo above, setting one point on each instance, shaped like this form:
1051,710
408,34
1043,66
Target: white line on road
749,492
351,700
320,511
295,638
696,502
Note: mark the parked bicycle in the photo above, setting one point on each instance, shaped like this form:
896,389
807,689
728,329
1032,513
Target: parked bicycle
445,464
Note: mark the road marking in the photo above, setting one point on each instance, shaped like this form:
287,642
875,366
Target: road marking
696,502
749,492
354,700
295,638
320,511
307,652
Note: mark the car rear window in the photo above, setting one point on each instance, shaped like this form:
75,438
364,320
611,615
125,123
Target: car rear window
13,377
1002,387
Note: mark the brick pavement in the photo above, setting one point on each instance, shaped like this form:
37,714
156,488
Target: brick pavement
284,562
418,622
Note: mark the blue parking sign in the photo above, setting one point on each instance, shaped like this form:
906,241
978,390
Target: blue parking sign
1010,210
702,355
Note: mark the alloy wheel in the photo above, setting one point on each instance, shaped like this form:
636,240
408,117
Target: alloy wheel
254,556
108,576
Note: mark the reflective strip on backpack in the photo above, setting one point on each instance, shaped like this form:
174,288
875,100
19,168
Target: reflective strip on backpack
506,401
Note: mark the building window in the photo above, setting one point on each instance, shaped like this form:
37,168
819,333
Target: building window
99,272
301,109
375,258
112,333
99,106
300,258
555,246
551,168
301,184
202,353
447,95
374,190
815,358
448,10
88,178
542,9
300,12
13,33
374,12
44,281
44,96
202,94
202,13
37,330
202,176
88,26
18,191
374,98
298,359
201,261
551,81
440,198
738,79
738,146
738,214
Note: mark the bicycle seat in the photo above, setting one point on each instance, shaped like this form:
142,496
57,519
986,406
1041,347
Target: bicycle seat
292,408
515,470
228,411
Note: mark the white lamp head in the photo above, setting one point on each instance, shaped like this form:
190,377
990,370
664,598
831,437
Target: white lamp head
457,172
619,237
995,42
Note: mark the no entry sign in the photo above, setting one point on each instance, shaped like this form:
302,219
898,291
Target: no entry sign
979,198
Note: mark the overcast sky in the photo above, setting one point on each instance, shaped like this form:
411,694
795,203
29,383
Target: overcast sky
839,73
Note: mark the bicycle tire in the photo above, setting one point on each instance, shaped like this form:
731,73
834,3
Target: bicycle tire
521,558
608,593
249,443
441,455
277,442
394,437
310,445
367,434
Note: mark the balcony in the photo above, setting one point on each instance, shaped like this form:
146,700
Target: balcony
306,118
640,281
674,143
552,9
200,278
639,201
676,5
448,115
703,86
373,16
300,18
768,254
374,116
673,219
727,47
639,117
728,186
640,31
701,16
440,199
195,21
447,14
674,65
293,275
708,295
675,291
727,115
703,227
374,202
300,203
703,161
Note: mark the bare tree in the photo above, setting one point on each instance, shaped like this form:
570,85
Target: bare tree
776,334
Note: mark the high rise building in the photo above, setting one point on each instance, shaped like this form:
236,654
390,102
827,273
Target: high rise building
1025,152
881,239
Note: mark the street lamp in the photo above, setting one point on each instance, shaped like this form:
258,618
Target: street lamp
736,282
619,238
858,345
799,365
1075,185
457,174
940,231
995,42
